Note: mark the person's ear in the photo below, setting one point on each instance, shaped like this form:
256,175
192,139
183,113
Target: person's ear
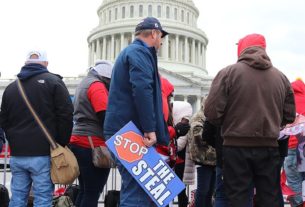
154,34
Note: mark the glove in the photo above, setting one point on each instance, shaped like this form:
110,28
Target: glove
182,129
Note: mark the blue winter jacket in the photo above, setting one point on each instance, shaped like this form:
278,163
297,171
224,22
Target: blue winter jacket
135,93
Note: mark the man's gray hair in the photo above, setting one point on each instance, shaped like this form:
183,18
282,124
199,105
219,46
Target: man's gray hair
144,32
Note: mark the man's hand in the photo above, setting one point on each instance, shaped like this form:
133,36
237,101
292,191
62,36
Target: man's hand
149,138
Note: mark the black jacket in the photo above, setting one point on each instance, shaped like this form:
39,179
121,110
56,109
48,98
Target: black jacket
51,101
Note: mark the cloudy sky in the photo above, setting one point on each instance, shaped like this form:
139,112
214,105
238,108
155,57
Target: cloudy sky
61,28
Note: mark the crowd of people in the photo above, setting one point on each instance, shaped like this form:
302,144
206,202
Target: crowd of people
232,141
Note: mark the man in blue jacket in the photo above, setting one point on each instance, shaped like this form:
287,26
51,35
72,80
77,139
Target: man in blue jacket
135,95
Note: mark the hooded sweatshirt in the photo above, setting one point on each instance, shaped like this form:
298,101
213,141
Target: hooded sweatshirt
167,89
299,97
251,99
31,70
50,99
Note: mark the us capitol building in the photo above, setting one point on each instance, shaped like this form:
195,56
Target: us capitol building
182,58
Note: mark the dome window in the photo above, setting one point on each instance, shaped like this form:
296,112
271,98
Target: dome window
116,14
149,10
182,15
141,11
123,12
188,18
159,11
167,12
131,11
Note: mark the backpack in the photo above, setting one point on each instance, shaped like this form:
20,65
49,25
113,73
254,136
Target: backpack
4,196
72,191
62,201
112,198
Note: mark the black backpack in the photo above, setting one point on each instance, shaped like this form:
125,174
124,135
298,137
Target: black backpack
112,198
72,191
4,196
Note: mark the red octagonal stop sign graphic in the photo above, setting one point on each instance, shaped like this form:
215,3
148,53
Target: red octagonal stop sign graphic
131,147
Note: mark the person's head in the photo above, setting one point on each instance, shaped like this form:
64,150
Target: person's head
103,68
251,40
182,112
298,87
37,56
150,31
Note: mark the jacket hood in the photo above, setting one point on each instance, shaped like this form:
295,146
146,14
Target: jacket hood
30,70
181,109
256,57
298,87
166,88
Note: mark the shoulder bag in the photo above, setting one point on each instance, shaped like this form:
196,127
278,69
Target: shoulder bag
101,156
64,166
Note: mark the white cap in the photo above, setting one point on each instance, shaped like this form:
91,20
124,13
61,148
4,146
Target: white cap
103,68
42,56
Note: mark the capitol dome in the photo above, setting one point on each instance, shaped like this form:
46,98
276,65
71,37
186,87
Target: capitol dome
182,58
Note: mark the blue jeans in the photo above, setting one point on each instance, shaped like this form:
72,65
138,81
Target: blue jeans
205,186
294,178
91,178
221,199
132,195
28,171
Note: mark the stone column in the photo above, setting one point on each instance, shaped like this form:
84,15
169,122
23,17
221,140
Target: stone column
122,41
204,56
193,51
117,47
198,54
177,48
173,51
198,103
165,47
98,49
112,48
93,44
89,56
185,98
104,48
186,50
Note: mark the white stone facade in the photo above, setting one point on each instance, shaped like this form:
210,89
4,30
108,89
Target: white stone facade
183,53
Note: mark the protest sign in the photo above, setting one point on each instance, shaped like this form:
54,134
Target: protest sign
145,165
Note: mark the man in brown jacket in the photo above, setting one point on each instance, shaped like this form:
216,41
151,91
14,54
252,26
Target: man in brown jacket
251,100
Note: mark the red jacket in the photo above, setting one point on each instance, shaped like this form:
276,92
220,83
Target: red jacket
167,89
299,97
